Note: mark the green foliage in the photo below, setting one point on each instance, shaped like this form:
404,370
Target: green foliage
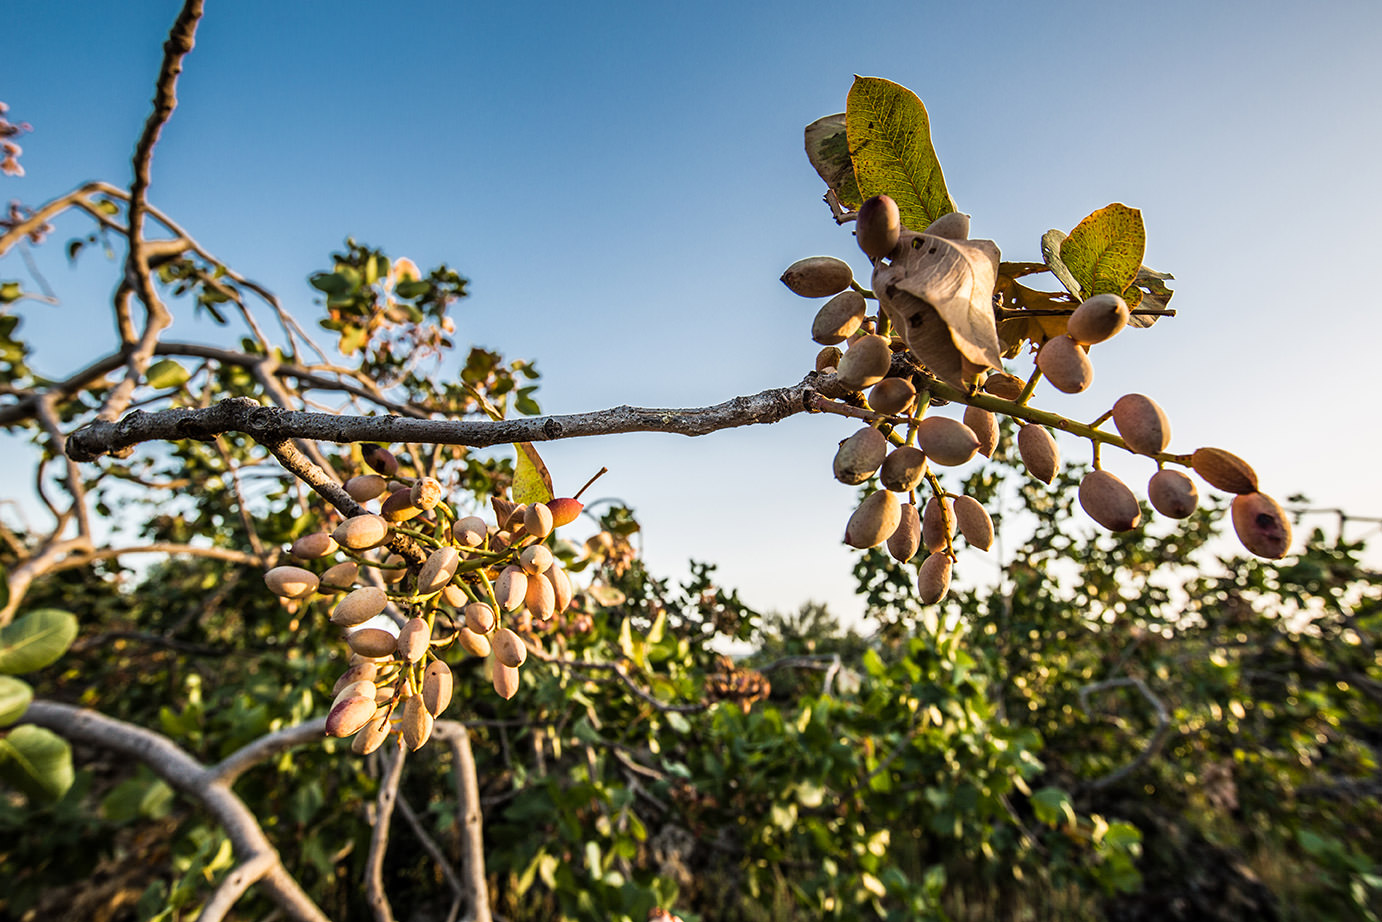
890,146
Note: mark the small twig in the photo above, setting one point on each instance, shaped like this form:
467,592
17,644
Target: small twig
1163,728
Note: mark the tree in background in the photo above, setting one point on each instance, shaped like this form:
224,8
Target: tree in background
1136,745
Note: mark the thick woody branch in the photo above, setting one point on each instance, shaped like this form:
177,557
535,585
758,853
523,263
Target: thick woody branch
271,424
457,736
259,861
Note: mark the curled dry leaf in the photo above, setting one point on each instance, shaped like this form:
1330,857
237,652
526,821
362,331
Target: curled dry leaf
938,293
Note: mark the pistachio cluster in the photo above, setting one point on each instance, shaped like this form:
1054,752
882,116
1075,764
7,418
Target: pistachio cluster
483,587
932,335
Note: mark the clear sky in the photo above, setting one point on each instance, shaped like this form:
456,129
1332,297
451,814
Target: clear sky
623,183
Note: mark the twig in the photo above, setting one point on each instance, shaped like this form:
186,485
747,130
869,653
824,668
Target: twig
457,737
1163,728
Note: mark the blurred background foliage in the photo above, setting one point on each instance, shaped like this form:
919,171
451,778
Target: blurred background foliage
1118,727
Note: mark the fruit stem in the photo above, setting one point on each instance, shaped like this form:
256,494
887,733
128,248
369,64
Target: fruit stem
1101,420
598,474
1028,388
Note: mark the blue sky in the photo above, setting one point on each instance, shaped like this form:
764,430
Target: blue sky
624,183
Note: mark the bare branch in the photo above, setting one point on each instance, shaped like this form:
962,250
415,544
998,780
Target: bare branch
1163,728
266,424
259,860
457,736
379,840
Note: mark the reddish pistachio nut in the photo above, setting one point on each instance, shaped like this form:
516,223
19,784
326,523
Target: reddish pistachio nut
952,226
984,425
839,318
366,487
341,576
562,591
473,643
905,540
366,672
399,506
538,520
416,725
1065,364
1142,424
1004,386
360,688
875,519
565,510
974,522
413,639
1172,493
1224,470
362,532
1261,525
535,559
933,578
508,648
372,641
903,469
310,547
505,680
829,358
359,606
878,226
860,455
818,276
937,524
393,569
510,588
454,596
437,684
372,735
866,363
1098,319
1109,501
426,493
479,617
349,715
291,582
438,569
380,459
540,598
893,396
1039,452
470,531
946,441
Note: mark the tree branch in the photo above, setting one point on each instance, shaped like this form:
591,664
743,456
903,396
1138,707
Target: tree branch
260,862
265,424
1163,728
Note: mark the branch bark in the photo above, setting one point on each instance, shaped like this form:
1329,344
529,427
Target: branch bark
271,424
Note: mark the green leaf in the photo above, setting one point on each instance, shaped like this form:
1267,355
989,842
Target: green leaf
827,147
9,291
890,144
36,761
1052,807
166,373
4,587
1104,251
144,795
35,640
331,283
1050,250
15,695
413,288
531,481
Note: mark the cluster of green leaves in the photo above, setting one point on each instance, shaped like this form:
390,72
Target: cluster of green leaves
32,759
